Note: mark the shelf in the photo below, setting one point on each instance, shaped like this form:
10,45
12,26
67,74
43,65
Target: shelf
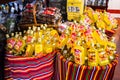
97,7
5,1
100,7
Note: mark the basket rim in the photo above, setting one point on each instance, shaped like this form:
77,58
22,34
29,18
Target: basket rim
7,55
114,62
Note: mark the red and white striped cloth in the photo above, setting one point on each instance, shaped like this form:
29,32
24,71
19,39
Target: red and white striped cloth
34,68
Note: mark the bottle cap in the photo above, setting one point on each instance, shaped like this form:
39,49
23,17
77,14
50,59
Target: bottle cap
16,32
33,39
25,37
7,36
31,32
24,31
39,40
78,42
45,25
12,34
16,36
113,39
38,28
44,28
29,28
41,26
34,28
20,33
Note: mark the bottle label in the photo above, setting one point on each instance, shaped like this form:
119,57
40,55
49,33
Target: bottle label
29,39
48,49
18,45
91,57
73,35
38,48
11,43
77,53
73,9
103,56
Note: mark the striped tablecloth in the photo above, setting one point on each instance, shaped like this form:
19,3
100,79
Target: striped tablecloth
34,68
66,70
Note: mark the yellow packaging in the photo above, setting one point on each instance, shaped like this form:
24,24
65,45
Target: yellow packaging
62,41
54,33
89,12
39,47
40,33
69,43
29,37
48,48
35,33
89,42
99,38
92,57
106,18
74,9
54,37
11,41
89,39
79,55
103,57
29,50
101,24
111,50
19,46
96,16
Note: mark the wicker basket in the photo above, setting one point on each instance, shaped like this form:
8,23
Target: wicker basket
26,25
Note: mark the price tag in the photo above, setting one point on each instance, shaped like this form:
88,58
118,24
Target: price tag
73,9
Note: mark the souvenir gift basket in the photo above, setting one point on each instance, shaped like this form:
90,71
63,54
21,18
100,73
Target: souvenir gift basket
86,52
31,54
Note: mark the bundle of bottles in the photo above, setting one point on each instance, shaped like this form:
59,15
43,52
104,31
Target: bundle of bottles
86,45
37,41
100,20
85,42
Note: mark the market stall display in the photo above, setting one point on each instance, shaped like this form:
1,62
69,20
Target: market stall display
85,49
78,50
101,20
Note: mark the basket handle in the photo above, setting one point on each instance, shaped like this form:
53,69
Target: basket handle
34,14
